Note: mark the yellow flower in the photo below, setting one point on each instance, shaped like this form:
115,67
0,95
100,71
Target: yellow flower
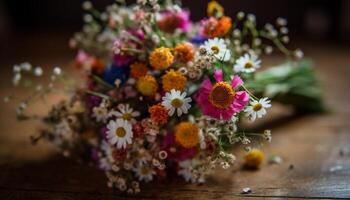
215,9
161,58
186,134
173,80
254,158
147,85
138,69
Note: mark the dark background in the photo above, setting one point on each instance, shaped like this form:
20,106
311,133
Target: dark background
308,19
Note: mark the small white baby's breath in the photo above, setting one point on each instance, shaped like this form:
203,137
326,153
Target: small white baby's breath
57,71
38,71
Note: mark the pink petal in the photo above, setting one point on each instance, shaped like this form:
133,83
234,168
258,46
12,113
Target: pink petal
207,84
236,81
218,75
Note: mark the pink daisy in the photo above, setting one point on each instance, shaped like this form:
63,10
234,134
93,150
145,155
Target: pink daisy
221,100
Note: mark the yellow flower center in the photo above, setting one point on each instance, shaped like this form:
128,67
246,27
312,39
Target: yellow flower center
248,65
257,107
186,134
120,132
221,95
215,49
176,103
126,116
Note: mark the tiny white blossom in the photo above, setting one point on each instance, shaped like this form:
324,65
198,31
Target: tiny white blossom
38,71
57,71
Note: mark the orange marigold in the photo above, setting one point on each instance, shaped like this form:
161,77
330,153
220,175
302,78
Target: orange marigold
173,80
161,58
159,114
147,85
184,52
187,134
97,65
254,158
217,27
138,69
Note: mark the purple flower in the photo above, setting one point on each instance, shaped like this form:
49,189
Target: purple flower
172,20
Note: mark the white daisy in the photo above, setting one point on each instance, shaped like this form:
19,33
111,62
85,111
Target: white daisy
247,63
100,113
188,173
176,101
125,112
144,172
218,48
257,108
119,133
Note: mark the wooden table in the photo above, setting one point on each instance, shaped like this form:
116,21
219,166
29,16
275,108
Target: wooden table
316,146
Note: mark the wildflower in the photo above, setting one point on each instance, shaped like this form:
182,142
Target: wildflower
138,70
144,172
161,58
221,100
298,54
125,112
257,109
215,9
159,114
187,134
254,158
247,63
147,85
218,49
172,20
38,71
176,101
184,52
173,80
213,27
100,113
57,71
267,135
187,172
174,151
119,133
16,79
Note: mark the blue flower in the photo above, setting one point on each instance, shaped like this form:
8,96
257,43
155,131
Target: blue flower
112,72
198,40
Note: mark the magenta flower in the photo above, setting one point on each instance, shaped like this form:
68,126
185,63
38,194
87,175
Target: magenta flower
172,20
221,100
176,152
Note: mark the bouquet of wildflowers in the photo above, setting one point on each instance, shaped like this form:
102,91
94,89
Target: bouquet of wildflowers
165,95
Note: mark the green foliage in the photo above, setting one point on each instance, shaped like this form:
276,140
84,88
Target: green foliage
293,84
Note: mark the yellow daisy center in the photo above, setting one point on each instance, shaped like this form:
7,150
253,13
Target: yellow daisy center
186,134
248,65
215,49
126,116
120,132
176,103
221,95
257,107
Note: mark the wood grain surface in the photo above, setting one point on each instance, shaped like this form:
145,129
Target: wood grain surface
314,148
